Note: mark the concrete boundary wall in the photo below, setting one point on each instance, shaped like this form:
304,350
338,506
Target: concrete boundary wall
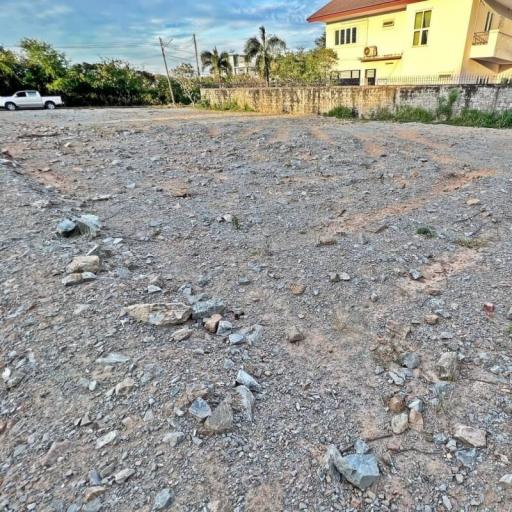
365,100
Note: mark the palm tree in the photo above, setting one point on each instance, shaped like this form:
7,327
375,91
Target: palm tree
217,62
265,50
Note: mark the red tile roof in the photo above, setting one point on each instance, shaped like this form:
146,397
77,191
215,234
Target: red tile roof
338,8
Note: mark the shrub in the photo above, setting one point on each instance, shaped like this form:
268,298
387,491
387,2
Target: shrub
471,243
342,113
382,114
481,119
408,114
445,105
426,231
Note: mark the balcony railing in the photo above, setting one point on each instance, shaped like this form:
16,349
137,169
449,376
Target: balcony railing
480,38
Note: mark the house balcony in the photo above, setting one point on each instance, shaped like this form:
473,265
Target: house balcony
493,46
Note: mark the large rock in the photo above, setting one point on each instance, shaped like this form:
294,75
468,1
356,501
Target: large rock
221,419
361,470
171,313
473,436
248,381
163,499
448,366
207,308
200,409
247,401
84,264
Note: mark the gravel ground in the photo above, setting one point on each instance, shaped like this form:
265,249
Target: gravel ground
375,248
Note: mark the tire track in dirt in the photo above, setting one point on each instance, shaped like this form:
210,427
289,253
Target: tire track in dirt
448,183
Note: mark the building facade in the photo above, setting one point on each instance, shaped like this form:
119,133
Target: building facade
241,66
382,41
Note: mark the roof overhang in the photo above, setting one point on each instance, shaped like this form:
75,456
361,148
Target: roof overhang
338,11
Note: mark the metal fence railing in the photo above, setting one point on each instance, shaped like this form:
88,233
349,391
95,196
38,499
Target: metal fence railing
399,80
448,79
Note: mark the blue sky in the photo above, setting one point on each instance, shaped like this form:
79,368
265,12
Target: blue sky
128,29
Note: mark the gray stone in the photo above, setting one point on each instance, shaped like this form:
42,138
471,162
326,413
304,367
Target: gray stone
92,506
411,360
81,264
294,334
123,475
254,334
467,457
124,387
247,401
163,499
447,366
415,274
171,313
472,436
416,405
400,423
224,328
88,224
248,381
221,419
66,227
206,308
106,439
78,278
360,470
200,409
237,338
506,481
361,447
181,334
113,358
174,438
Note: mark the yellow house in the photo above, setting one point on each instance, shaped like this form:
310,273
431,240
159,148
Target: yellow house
381,41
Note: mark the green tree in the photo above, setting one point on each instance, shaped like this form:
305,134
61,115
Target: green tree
42,64
264,50
10,71
321,42
305,66
218,63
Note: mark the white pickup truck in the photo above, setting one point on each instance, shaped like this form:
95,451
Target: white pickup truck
29,99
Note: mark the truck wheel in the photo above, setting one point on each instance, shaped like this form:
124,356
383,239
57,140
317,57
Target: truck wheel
49,105
10,106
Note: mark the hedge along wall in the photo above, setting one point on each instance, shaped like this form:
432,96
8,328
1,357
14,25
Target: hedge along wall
319,100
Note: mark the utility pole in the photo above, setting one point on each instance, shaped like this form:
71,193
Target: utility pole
167,71
197,56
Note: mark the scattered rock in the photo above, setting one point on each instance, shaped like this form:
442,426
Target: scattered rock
123,475
416,420
57,450
248,381
472,436
361,470
237,338
82,264
396,403
207,308
91,493
172,313
163,499
221,419
297,288
224,328
448,366
181,334
247,401
506,481
400,423
294,334
200,409
212,323
125,386
174,438
106,439
113,358
432,319
411,360
78,278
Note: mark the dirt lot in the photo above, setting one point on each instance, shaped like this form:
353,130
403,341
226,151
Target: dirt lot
383,246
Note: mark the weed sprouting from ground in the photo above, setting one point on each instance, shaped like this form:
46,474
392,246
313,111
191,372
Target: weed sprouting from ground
471,243
342,113
426,231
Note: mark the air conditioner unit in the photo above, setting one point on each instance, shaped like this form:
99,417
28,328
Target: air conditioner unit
370,51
